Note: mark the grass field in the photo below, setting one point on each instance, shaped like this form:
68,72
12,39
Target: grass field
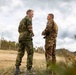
7,63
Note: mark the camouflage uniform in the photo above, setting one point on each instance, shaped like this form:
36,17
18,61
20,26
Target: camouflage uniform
25,42
50,33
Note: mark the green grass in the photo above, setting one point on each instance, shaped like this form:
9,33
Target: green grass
7,62
60,69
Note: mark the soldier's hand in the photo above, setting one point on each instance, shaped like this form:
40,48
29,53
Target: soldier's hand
32,34
43,33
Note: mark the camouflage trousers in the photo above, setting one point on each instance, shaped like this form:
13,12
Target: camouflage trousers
28,46
50,52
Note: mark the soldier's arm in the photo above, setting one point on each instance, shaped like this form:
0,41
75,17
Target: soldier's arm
21,25
43,32
19,30
55,30
48,28
29,26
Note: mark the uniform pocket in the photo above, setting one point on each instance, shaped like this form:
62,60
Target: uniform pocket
23,36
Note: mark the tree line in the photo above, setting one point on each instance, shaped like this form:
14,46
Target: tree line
12,45
8,45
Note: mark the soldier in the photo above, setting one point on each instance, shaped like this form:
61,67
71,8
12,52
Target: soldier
25,41
50,34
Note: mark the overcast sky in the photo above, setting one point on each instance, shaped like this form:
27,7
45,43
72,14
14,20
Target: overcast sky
12,11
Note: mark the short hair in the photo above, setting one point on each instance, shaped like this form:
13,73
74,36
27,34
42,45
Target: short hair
28,11
51,15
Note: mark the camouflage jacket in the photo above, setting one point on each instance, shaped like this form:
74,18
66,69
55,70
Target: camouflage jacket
25,29
51,30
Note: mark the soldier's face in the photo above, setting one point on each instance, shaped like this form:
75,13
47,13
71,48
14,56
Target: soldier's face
31,14
49,17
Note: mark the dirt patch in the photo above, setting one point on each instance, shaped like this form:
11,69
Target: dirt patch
8,58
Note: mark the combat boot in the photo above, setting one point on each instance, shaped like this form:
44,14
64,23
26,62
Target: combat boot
17,71
54,73
30,72
49,71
